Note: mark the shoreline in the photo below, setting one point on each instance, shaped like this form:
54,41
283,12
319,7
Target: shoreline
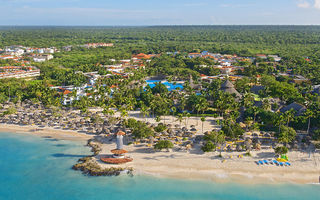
196,165
45,132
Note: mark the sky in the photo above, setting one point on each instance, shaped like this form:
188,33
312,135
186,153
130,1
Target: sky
159,12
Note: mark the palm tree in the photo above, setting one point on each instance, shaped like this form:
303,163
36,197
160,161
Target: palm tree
220,139
201,106
255,112
188,116
123,112
185,117
266,104
248,100
289,115
203,119
309,114
145,111
180,118
158,119
173,110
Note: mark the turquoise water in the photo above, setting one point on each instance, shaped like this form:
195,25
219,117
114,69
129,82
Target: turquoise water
37,168
169,85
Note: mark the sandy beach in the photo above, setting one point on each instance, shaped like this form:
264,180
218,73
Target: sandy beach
208,166
45,132
195,164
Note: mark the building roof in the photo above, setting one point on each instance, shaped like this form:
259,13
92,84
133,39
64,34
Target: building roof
227,84
120,133
295,106
118,151
67,92
228,87
256,88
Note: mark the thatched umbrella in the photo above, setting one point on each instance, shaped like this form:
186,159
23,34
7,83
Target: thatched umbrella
255,135
268,135
193,130
248,143
207,133
239,147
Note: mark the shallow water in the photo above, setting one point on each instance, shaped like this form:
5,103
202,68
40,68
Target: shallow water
32,167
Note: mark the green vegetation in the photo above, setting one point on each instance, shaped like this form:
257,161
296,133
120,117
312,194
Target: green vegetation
282,150
163,144
297,45
208,147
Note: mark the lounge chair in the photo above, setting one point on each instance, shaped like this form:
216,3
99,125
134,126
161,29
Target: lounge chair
276,162
260,162
287,163
281,164
266,162
257,162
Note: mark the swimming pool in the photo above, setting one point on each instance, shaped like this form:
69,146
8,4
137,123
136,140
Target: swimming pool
169,85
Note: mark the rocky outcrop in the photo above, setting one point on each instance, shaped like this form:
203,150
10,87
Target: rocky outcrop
90,167
95,147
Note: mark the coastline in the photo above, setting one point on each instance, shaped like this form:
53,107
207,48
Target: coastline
45,132
196,165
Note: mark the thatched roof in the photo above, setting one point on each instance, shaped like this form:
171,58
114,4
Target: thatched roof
120,133
227,84
300,109
228,87
256,88
118,151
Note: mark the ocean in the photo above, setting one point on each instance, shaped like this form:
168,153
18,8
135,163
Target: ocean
33,167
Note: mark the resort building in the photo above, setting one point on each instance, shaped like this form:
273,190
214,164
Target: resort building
95,45
18,72
228,87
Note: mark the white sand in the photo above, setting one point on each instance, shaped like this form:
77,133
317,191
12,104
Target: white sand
208,166
195,164
45,132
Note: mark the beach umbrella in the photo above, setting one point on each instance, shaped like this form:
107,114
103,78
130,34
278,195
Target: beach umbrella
268,135
193,130
255,135
206,133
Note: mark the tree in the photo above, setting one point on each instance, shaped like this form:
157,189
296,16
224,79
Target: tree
144,111
286,135
220,139
281,150
316,135
173,110
248,144
188,117
309,114
208,147
180,118
164,144
203,119
289,115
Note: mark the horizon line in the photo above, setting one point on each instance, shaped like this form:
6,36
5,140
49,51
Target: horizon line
159,25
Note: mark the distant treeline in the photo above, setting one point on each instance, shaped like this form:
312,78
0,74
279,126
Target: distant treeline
243,40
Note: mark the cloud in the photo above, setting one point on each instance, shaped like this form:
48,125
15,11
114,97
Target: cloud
317,4
304,4
309,4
